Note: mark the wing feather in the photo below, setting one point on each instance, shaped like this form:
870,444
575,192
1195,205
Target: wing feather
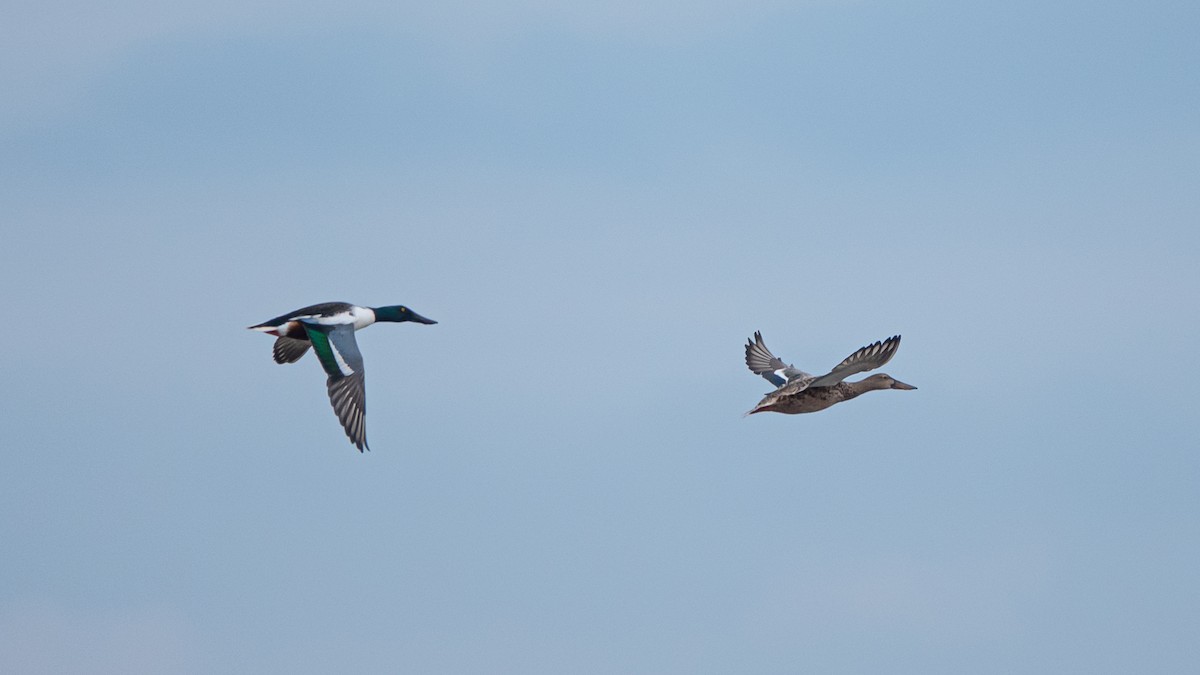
347,395
338,352
866,358
762,362
289,350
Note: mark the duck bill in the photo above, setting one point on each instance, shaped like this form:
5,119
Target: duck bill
901,385
420,319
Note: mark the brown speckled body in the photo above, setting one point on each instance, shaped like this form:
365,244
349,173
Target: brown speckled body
788,401
809,400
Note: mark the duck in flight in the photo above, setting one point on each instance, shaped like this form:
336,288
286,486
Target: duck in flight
329,329
799,392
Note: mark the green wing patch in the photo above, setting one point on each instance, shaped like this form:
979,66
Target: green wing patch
320,342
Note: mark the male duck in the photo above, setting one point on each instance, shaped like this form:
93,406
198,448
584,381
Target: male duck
329,329
800,392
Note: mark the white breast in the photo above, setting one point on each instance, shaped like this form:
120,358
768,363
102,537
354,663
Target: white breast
362,316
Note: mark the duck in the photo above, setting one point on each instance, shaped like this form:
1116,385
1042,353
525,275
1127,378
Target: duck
328,328
800,392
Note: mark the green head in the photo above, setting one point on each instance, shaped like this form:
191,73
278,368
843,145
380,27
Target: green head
398,313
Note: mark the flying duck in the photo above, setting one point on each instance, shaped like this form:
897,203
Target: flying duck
800,392
329,329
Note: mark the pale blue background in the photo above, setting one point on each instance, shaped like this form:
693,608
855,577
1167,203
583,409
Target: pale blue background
600,203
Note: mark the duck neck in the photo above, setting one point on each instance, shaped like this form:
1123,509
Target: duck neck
863,386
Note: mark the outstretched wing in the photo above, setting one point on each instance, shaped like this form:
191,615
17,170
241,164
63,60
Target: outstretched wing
339,356
761,361
867,358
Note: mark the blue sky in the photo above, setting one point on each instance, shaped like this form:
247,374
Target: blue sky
599,203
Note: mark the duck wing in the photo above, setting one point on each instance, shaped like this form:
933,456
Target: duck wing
866,358
761,361
319,310
289,350
338,352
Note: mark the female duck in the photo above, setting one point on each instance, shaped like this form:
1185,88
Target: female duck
800,392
